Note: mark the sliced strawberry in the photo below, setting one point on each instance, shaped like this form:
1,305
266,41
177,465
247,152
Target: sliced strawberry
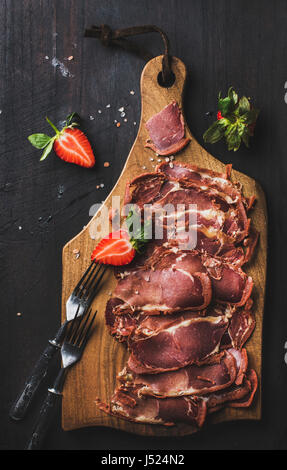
69,144
115,249
73,146
120,247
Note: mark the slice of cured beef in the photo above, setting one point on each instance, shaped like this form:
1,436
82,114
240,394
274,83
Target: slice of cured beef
130,405
229,282
185,342
141,325
197,208
236,396
174,279
190,380
202,178
125,404
241,360
163,290
166,131
220,218
231,285
245,401
204,207
120,326
241,325
147,188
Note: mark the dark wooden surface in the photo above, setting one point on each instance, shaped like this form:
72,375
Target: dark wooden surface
223,43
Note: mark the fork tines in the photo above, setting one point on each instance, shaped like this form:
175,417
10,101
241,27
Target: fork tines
88,284
79,330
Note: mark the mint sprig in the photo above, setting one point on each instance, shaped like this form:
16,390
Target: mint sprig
140,237
235,121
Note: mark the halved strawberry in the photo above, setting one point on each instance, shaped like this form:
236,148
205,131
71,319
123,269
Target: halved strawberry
73,146
70,144
120,247
116,249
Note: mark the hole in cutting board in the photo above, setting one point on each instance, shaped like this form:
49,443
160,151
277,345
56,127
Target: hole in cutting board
168,83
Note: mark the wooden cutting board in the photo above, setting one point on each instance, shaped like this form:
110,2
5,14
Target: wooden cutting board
104,357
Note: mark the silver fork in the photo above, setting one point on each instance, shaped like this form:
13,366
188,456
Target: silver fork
78,302
71,352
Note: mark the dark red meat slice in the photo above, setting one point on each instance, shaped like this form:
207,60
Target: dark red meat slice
183,172
229,283
189,410
209,209
241,325
166,290
149,325
245,401
172,150
216,212
237,396
234,286
146,188
142,325
234,392
175,279
190,380
185,342
180,170
120,326
166,130
109,315
241,360
231,254
250,243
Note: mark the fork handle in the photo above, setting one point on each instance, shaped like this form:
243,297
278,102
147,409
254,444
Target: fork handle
24,399
47,412
44,421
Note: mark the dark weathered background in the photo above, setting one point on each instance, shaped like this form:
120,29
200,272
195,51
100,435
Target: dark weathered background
43,205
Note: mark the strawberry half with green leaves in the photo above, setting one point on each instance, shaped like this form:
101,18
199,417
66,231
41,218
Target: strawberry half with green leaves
69,144
120,247
116,249
236,120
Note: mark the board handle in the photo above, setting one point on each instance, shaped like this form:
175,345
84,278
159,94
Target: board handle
154,94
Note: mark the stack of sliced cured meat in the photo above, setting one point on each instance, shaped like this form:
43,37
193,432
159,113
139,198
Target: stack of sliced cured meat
185,314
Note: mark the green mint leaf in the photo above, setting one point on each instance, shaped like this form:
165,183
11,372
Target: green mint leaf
241,128
244,105
129,220
233,96
228,104
250,116
133,223
225,106
233,138
73,119
215,131
142,234
39,140
47,150
232,118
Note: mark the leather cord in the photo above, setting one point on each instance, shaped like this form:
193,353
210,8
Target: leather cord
117,37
